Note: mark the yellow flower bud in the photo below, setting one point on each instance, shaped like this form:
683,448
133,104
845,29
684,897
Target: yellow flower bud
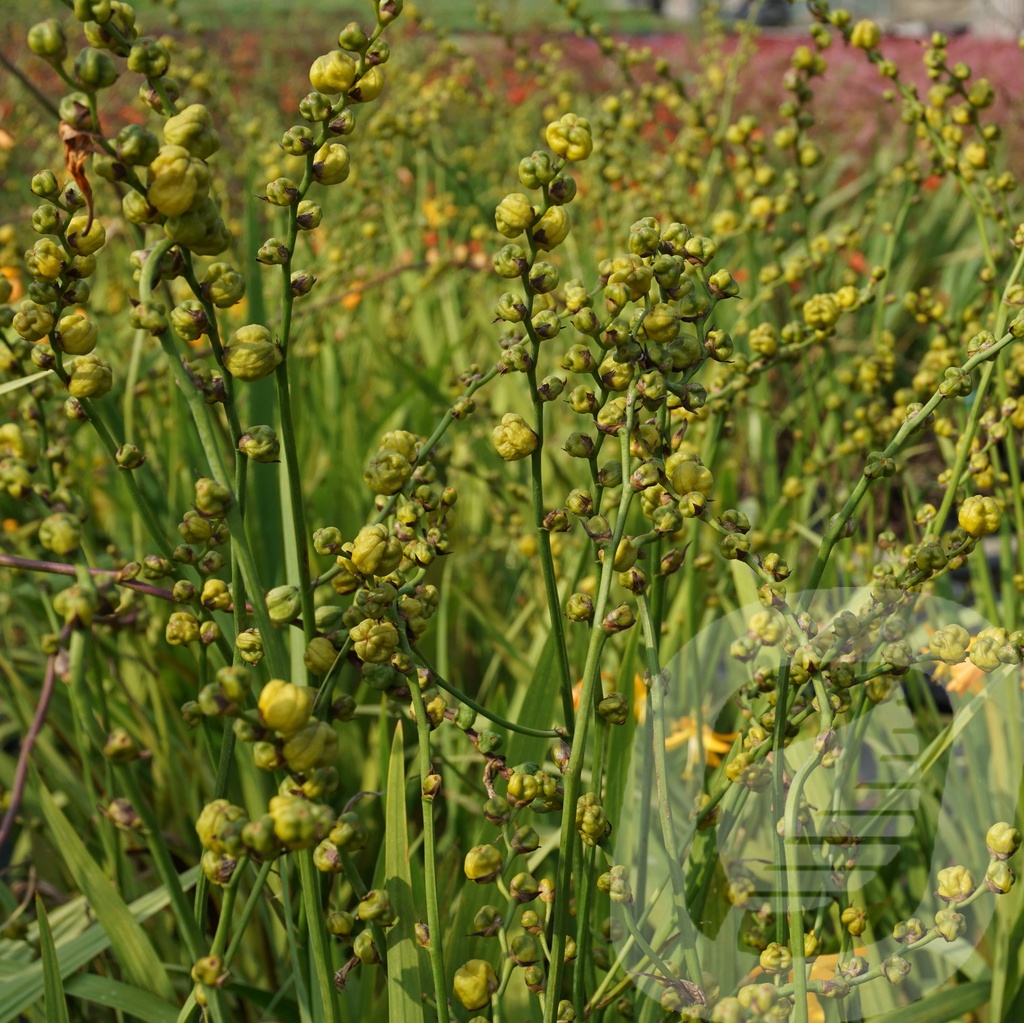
570,137
552,229
374,641
514,214
475,981
687,474
192,128
387,472
313,745
178,182
865,35
513,439
369,87
90,378
285,707
375,551
251,354
83,242
332,73
331,164
979,516
76,334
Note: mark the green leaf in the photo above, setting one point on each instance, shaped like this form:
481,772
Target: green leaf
404,987
130,1000
942,1006
53,988
14,385
25,988
129,942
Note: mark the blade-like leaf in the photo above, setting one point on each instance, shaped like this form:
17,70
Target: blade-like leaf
943,1006
26,987
130,1000
53,987
404,988
14,385
129,942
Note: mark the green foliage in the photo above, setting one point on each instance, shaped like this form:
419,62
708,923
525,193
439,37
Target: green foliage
388,500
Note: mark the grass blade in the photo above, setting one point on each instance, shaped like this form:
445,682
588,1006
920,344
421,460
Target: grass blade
404,986
128,940
53,987
127,999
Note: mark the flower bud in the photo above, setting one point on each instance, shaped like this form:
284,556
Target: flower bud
120,747
776,958
513,439
192,129
979,516
46,39
84,242
332,73
314,745
1003,840
614,709
895,969
369,86
331,164
551,230
483,863
570,137
999,877
579,608
222,285
60,533
178,181
865,35
474,983
284,707
374,642
251,355
514,215
955,884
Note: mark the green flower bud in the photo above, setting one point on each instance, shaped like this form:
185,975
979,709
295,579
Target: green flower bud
308,215
84,242
644,237
178,181
314,745
999,877
149,57
353,38
374,642
331,164
614,708
120,747
46,39
192,129
513,439
570,137
341,925
387,472
895,969
60,533
906,932
251,355
510,261
212,498
474,983
283,604
375,906
298,823
148,316
514,215
90,377
74,109
580,608
44,184
95,69
619,619
222,285
364,949
332,73
349,833
591,821
950,924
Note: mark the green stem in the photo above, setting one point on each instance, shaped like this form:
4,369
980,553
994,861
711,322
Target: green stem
574,770
435,947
